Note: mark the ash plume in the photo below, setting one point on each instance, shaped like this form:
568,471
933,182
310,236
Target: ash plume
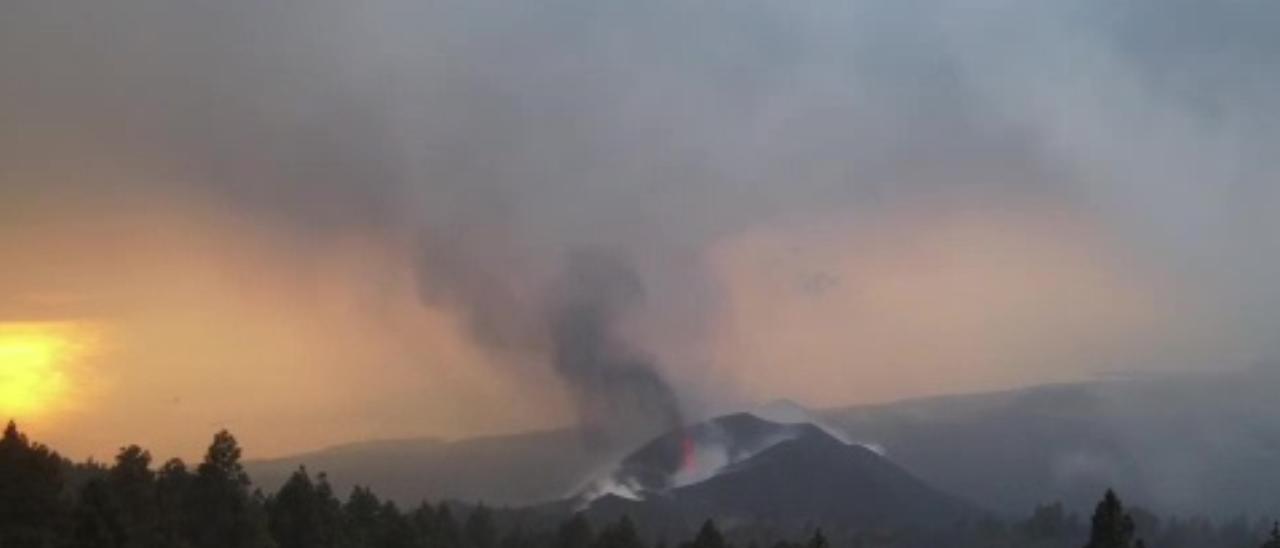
618,393
572,322
1100,196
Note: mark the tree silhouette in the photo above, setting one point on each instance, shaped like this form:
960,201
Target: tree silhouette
709,536
32,510
97,519
1273,541
132,485
1046,522
48,502
447,534
220,511
304,514
479,529
394,530
818,540
361,511
620,534
173,482
423,522
574,533
1112,527
222,461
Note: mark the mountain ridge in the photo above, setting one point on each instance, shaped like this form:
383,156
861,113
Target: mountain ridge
806,477
1185,444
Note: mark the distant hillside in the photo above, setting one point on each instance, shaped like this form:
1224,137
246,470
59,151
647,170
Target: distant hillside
1194,444
501,470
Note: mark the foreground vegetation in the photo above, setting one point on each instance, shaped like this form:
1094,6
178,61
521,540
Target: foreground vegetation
47,501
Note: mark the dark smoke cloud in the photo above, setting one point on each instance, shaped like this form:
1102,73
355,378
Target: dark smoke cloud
500,310
499,136
619,394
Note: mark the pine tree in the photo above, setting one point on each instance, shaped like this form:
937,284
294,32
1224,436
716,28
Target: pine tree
447,534
819,540
574,533
515,537
1112,527
173,482
304,514
709,536
423,521
394,530
479,529
1274,540
361,511
1046,522
32,510
621,534
132,485
220,510
96,519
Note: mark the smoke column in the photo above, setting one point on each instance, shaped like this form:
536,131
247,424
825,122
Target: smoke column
808,190
571,322
618,392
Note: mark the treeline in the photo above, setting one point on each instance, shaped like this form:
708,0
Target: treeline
1114,526
47,501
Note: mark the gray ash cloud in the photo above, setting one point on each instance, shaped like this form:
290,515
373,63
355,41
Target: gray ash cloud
619,393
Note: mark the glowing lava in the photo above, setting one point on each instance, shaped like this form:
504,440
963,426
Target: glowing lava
687,457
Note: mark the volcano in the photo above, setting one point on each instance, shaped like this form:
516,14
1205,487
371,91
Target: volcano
742,468
691,454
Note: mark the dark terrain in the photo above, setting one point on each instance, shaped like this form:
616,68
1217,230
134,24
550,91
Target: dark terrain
1194,444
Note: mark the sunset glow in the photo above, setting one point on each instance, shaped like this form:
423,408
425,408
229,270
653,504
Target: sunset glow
33,378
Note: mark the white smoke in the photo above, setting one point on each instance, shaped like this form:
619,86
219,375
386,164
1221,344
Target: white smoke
785,411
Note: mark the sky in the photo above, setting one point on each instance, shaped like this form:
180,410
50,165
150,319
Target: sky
318,221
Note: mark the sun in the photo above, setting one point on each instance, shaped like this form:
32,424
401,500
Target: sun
33,361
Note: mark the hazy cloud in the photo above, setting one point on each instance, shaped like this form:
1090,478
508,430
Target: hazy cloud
476,145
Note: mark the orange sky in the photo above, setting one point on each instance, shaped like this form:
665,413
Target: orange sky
192,320
299,222
937,301
199,323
